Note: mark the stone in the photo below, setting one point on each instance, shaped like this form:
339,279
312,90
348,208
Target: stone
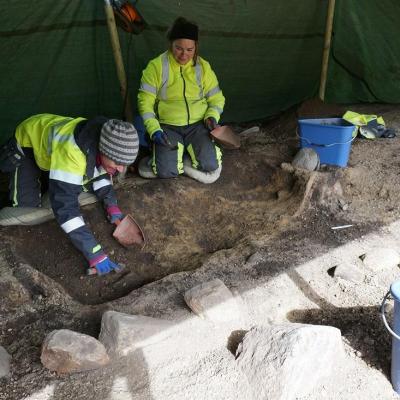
287,167
306,158
13,293
213,301
122,334
66,351
5,359
256,258
349,272
379,259
286,362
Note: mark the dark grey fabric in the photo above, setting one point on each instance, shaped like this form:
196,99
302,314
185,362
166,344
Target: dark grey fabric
11,155
204,148
24,186
196,135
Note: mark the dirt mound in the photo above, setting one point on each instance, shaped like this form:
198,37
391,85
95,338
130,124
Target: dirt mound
266,231
184,221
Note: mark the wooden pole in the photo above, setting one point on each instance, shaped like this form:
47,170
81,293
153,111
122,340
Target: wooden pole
119,64
327,48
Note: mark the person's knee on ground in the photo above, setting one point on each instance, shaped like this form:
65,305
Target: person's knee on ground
207,159
166,174
25,182
166,162
205,155
209,165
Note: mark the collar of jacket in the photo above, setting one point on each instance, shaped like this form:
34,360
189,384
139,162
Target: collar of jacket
175,65
87,135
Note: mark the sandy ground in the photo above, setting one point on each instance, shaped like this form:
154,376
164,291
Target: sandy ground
262,229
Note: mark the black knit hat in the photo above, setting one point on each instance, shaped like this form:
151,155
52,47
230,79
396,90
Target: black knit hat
183,29
119,141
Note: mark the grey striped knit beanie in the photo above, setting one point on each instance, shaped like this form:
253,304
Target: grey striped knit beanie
119,141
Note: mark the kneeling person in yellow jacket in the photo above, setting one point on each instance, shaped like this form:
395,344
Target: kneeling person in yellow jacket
180,102
78,153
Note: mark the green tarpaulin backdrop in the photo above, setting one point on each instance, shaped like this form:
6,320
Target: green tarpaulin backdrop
56,55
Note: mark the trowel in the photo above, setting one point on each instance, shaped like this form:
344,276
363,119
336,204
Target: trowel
128,232
225,136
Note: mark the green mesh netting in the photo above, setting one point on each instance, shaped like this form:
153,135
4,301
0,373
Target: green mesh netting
365,54
56,55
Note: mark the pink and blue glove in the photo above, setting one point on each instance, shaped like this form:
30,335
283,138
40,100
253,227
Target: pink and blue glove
103,265
114,214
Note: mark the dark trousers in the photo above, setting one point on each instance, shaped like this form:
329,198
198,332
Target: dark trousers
195,140
25,185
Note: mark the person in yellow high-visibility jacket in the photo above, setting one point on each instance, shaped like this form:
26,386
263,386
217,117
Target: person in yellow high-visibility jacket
76,154
180,101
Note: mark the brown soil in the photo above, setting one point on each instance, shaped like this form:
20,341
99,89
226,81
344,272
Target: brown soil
256,203
183,222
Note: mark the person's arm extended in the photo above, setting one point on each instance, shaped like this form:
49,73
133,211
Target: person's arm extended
65,205
147,98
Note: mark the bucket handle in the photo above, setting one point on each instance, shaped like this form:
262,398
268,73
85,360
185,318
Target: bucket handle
323,145
383,315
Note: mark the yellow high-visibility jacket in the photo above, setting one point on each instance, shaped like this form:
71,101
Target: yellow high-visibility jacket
52,139
179,95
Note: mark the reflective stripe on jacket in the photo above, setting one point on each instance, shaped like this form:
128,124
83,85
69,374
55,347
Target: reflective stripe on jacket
178,95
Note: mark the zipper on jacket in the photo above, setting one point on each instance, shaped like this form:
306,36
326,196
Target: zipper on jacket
184,96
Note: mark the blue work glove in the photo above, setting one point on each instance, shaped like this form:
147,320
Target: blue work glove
103,265
114,214
160,138
210,123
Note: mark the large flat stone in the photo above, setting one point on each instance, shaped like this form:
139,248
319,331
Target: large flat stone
66,351
5,359
286,362
122,334
213,301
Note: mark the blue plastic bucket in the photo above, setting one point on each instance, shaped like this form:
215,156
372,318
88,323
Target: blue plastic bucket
330,137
